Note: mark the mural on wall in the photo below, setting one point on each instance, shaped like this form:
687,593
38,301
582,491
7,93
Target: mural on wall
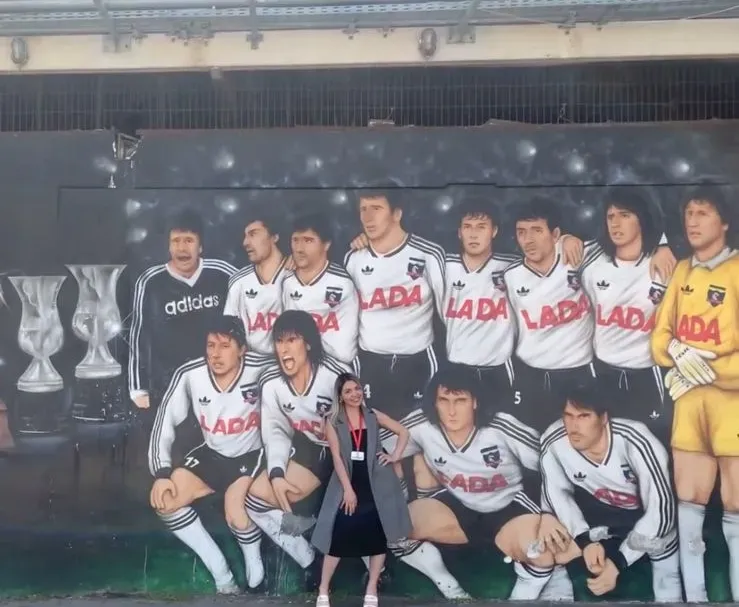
564,359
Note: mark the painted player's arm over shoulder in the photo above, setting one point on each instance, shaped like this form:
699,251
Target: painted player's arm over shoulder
348,315
436,264
558,498
664,320
277,431
649,462
171,413
522,440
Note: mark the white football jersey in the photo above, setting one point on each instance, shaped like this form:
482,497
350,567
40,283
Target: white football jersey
624,299
485,473
229,419
480,328
398,292
257,304
285,411
633,476
331,299
555,323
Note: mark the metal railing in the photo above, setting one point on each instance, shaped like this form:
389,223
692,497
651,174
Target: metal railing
431,96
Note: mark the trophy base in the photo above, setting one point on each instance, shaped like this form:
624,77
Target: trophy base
100,401
40,387
102,371
40,413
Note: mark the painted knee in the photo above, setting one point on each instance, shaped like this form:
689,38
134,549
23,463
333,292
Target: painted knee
544,561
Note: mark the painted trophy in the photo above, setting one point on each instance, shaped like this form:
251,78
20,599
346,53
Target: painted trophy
40,400
97,320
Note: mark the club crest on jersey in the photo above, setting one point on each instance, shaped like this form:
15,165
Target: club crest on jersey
715,295
323,405
628,474
333,296
499,281
656,293
416,267
573,280
250,394
491,456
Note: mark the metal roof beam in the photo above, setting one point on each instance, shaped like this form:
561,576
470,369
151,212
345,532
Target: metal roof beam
462,31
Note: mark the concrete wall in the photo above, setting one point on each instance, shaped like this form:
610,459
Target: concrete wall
525,43
81,229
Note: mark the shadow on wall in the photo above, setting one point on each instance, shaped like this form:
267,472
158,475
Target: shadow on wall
582,386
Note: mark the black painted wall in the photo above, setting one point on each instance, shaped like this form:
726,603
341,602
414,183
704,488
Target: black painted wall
66,199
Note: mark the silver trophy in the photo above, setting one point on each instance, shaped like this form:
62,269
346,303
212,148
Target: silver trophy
40,334
97,318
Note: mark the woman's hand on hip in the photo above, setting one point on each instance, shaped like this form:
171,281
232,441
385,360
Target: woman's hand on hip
386,458
349,503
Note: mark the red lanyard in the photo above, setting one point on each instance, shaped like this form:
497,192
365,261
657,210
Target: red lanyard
356,434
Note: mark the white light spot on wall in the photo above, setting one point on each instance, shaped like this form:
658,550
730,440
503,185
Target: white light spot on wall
313,164
224,161
575,164
526,150
136,235
132,207
444,203
106,165
228,205
339,198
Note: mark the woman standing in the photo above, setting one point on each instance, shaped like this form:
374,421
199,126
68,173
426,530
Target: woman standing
364,507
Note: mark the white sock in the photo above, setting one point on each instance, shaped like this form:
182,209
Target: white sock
690,531
530,580
250,542
187,527
269,520
666,578
559,586
730,525
426,558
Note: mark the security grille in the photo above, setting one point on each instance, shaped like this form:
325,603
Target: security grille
430,97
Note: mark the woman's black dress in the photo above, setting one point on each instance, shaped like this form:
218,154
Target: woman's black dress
361,533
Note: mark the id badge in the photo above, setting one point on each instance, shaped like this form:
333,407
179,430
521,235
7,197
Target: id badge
357,456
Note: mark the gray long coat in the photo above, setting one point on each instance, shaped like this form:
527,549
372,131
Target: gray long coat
386,489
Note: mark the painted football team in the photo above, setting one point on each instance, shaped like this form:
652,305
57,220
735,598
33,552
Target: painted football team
584,366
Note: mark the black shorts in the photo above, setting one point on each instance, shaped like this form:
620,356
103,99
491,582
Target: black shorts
312,456
637,394
482,527
220,472
395,383
620,521
537,392
496,390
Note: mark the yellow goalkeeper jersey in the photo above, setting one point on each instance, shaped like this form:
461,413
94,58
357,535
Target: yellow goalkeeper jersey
701,308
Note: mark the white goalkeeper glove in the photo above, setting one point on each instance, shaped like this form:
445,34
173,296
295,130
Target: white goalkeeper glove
691,362
676,384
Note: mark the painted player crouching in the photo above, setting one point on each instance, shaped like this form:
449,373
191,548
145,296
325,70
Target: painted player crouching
221,390
607,481
482,500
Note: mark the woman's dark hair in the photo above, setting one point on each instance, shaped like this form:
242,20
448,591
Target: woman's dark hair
632,202
455,378
297,322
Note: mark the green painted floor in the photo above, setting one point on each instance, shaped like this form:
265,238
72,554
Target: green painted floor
155,563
